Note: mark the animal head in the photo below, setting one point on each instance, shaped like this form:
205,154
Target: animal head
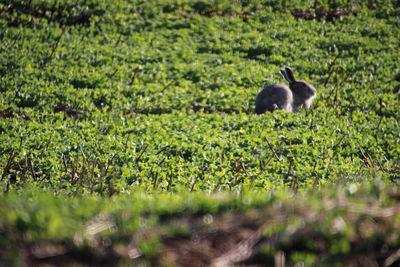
303,92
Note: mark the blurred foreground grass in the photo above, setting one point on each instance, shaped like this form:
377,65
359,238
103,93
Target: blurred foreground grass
356,225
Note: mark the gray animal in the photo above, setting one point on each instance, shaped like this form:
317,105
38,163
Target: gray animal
279,96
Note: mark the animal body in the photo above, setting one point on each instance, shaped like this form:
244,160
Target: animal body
279,96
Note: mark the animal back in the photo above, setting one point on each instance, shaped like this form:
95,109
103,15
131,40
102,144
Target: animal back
277,96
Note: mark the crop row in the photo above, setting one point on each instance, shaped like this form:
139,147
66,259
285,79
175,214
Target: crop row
209,152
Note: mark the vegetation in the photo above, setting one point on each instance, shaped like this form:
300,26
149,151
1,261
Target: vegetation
126,115
358,226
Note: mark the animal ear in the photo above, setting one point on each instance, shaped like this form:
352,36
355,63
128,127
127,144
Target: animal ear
284,75
290,75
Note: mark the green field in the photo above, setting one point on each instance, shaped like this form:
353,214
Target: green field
128,134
